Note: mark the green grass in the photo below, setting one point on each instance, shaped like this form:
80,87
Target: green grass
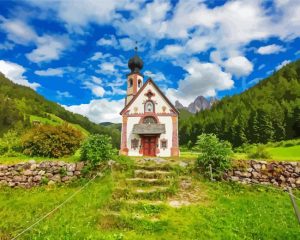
285,153
225,211
19,208
23,158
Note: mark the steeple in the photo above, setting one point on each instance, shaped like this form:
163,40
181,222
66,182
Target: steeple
135,63
134,78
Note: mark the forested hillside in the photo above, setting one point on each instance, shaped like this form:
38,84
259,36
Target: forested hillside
18,104
269,111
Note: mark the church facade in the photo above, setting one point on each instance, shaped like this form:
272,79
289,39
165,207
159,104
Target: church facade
149,119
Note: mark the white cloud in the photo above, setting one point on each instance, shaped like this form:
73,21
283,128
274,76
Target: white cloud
254,81
48,48
149,22
99,55
157,77
127,44
98,91
6,46
79,14
285,62
18,31
261,66
238,66
107,67
270,49
15,72
101,110
108,40
96,80
50,72
65,94
94,85
201,79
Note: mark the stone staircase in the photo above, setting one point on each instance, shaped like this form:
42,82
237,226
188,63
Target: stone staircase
139,199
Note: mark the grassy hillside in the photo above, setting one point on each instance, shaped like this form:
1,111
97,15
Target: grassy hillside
269,111
20,105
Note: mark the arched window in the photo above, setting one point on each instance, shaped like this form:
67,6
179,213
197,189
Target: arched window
149,106
139,83
149,120
130,82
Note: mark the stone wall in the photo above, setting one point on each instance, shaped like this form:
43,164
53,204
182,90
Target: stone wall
31,174
282,174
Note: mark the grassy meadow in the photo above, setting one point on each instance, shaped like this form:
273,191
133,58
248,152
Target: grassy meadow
222,211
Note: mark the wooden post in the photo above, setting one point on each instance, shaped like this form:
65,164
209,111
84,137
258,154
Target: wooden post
297,213
210,171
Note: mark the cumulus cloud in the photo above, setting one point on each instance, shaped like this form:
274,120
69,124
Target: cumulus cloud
6,46
65,94
50,72
238,66
282,64
201,79
18,31
107,40
15,73
270,49
101,110
80,13
48,48
158,77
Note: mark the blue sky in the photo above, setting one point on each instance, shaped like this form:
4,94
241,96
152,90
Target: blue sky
76,52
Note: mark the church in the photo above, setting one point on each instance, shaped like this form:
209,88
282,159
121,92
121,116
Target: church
149,119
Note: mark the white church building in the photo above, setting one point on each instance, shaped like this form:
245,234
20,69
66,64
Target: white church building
149,119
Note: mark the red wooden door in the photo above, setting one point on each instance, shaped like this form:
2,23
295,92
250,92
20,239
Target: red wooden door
149,146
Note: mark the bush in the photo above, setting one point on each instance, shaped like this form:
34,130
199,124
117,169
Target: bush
10,143
213,152
51,141
97,148
260,153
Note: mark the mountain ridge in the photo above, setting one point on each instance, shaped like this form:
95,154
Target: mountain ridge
199,104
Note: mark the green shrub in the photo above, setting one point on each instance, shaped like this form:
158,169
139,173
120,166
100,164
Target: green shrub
214,152
97,148
51,141
10,144
260,152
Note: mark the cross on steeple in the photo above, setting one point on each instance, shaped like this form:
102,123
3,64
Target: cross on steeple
136,48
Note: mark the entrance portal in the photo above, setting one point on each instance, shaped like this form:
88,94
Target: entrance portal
149,145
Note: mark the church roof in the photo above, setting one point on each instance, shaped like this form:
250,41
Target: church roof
141,90
146,128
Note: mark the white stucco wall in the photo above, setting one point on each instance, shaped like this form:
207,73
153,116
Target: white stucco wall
141,99
137,107
131,121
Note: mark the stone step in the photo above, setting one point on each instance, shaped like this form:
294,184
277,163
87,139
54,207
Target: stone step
154,167
151,190
141,173
137,221
150,193
143,182
153,193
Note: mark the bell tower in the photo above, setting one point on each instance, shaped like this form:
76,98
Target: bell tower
134,78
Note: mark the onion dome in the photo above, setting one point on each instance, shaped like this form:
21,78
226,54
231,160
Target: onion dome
135,64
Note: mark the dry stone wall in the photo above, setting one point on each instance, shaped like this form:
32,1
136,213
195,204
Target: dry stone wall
282,174
31,174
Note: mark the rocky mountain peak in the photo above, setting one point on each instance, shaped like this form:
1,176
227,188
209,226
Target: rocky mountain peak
178,105
200,103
